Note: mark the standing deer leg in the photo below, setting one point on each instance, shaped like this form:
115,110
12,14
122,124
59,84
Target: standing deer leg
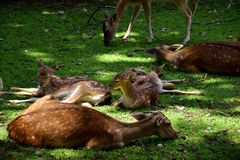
188,14
135,13
147,13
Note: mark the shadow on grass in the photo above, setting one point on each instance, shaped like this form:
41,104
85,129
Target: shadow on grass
218,146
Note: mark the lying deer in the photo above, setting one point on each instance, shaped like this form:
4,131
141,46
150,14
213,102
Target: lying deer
141,89
71,126
215,57
111,22
69,90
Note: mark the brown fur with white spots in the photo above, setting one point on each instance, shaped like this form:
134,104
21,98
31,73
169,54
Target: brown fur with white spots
214,57
71,126
141,89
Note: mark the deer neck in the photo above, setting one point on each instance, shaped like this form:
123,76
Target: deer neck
137,130
128,91
170,56
121,6
53,83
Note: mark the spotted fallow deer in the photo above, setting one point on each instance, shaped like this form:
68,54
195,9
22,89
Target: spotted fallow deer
141,89
55,124
111,23
76,89
215,57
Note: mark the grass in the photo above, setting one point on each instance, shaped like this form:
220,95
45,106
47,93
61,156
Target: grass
30,33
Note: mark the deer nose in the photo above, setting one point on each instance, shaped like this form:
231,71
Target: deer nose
176,135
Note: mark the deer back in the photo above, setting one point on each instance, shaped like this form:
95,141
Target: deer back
216,57
59,126
72,126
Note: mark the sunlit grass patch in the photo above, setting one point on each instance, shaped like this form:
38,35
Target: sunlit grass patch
111,58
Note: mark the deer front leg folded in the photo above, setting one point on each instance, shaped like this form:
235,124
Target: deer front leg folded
118,102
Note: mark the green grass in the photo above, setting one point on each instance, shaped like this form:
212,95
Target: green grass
39,32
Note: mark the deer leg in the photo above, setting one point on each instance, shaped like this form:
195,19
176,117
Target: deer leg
118,102
182,92
73,96
147,14
135,13
103,143
19,93
191,68
188,14
31,90
30,100
167,85
86,104
72,99
175,81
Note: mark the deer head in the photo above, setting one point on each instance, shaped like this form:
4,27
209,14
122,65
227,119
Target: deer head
44,73
109,28
161,50
162,124
126,76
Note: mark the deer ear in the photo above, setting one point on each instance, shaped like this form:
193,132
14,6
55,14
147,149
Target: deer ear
175,47
159,70
139,116
159,121
131,76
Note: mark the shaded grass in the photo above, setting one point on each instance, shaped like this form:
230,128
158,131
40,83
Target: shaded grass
40,32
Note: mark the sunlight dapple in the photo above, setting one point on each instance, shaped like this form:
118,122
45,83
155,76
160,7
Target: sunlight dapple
56,124
111,23
216,57
141,89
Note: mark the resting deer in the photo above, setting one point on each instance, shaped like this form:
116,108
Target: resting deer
71,126
111,22
215,57
141,89
69,90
